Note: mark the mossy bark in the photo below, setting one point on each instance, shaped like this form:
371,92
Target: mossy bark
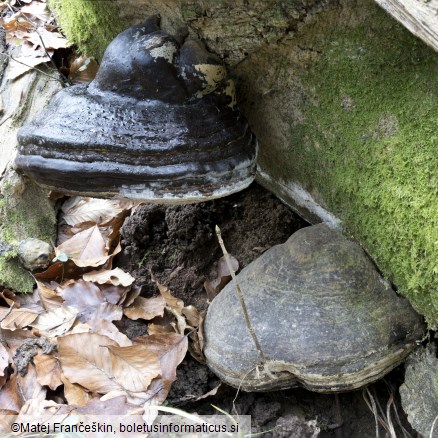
343,101
25,210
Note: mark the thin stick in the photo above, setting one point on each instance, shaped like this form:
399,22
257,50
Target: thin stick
240,296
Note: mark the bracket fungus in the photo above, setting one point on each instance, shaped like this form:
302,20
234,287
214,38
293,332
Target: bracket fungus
157,124
323,316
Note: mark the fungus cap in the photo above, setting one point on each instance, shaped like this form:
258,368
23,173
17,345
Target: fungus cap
157,124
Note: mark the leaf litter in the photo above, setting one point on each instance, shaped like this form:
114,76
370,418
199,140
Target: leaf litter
66,338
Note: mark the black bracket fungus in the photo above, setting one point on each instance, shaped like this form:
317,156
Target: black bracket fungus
157,124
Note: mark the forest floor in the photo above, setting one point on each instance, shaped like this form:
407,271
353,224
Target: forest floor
178,246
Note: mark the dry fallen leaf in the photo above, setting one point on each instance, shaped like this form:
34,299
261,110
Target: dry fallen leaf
116,277
107,328
18,318
4,359
145,308
171,349
85,249
86,360
223,276
55,322
9,397
134,367
49,298
84,296
48,370
75,394
78,209
83,70
28,387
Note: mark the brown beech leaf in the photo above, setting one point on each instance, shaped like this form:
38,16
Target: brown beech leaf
223,276
18,318
75,394
83,70
155,329
84,296
134,367
50,40
145,308
85,249
107,328
78,209
49,297
9,397
10,298
170,349
192,315
116,277
86,360
171,301
48,370
55,322
4,359
14,339
28,386
114,294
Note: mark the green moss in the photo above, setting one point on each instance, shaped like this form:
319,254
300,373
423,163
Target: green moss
368,145
90,24
14,276
25,211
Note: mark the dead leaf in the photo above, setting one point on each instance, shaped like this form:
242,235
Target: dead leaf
171,301
18,319
107,328
10,298
85,249
50,40
22,64
75,394
134,367
223,276
83,70
192,315
4,359
86,360
116,277
49,298
55,322
37,11
145,308
9,397
28,387
171,349
84,296
78,209
48,370
114,294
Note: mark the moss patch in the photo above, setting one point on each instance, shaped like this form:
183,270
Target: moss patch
365,142
25,211
90,24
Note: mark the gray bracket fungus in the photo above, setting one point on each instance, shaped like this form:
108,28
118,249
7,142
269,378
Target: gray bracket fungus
324,317
157,124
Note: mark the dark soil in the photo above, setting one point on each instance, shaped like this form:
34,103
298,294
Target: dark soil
178,245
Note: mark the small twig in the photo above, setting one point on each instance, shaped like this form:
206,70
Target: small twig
240,296
64,80
32,68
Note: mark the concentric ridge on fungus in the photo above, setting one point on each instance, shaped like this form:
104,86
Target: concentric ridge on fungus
323,315
158,124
